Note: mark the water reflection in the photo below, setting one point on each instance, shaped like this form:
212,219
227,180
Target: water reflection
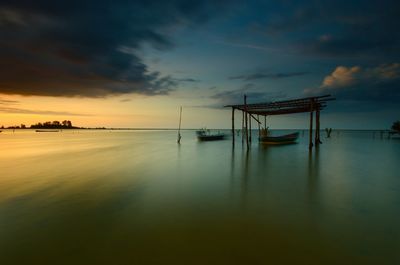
239,175
313,168
245,178
313,177
118,198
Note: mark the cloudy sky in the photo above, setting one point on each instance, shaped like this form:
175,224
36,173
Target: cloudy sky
133,63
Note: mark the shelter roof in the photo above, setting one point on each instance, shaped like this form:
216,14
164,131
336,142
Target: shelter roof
286,106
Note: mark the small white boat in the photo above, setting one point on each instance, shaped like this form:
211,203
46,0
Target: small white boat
206,135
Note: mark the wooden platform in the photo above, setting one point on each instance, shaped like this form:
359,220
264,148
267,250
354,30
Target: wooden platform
301,105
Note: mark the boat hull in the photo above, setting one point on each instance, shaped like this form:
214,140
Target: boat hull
210,137
283,139
205,135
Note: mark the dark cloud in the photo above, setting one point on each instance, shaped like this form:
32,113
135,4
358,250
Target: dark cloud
293,20
8,102
39,112
255,76
339,28
248,87
230,97
350,46
375,84
8,106
89,48
192,80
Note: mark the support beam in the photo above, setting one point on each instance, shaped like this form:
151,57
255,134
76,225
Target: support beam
242,126
245,116
301,105
310,144
233,125
317,128
250,127
256,119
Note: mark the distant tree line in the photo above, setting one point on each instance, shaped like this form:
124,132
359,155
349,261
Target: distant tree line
66,124
54,125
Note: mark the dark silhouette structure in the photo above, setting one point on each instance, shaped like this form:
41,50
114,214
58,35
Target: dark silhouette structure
301,105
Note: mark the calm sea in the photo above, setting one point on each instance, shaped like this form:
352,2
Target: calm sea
136,197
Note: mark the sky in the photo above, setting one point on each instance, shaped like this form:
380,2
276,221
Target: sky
132,64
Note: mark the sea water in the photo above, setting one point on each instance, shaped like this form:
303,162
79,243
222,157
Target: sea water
137,197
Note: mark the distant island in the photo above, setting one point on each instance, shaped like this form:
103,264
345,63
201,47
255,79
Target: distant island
66,124
53,125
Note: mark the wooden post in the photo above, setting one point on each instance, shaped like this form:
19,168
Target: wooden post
242,126
310,145
179,129
317,128
233,125
245,116
259,131
250,128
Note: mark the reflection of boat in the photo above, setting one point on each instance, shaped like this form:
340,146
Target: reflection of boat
282,139
46,130
395,135
205,135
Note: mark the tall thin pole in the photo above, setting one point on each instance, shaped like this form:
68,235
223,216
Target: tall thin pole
250,128
180,122
245,116
242,126
233,125
310,146
317,128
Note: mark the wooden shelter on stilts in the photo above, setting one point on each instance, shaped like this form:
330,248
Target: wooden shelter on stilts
301,105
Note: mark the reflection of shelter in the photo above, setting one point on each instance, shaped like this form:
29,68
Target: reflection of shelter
253,111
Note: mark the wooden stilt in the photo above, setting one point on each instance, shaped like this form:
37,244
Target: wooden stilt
242,126
310,145
233,125
179,129
317,128
252,112
250,128
246,124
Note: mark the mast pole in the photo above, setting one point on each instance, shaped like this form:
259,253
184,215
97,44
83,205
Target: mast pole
179,129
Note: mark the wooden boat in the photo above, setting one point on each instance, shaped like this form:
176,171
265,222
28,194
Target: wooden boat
394,135
282,139
47,130
205,135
